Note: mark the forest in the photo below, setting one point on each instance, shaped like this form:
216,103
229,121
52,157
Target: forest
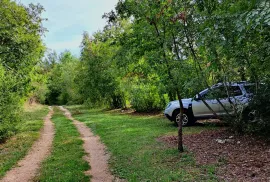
149,53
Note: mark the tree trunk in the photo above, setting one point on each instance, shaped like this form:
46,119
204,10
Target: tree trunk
180,133
180,126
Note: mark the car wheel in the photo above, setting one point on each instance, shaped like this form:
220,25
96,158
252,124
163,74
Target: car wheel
186,119
249,115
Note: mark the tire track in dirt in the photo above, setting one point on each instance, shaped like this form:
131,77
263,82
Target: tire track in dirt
28,167
96,155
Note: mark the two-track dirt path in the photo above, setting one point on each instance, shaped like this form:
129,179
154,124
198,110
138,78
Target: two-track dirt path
96,153
28,167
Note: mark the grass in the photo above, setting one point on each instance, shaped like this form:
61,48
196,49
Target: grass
16,148
66,160
136,155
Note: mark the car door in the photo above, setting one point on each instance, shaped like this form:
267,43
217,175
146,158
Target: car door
200,109
236,98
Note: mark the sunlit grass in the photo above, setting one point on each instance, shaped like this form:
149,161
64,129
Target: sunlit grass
32,107
136,154
66,160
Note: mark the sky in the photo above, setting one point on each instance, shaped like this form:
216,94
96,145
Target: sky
68,19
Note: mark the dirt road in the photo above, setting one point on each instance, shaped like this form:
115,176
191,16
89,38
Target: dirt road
96,155
28,167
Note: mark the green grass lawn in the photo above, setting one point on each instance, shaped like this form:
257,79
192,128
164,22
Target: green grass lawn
136,155
28,132
66,160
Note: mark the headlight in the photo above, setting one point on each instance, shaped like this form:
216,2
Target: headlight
168,105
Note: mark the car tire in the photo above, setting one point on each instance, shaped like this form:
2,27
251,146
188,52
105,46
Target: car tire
187,119
248,115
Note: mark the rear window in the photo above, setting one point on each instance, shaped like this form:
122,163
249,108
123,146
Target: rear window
250,89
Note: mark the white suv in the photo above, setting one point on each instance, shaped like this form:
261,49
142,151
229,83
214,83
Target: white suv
194,108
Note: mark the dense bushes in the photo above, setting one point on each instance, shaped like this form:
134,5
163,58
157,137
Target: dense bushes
9,104
21,49
253,118
257,117
146,98
62,88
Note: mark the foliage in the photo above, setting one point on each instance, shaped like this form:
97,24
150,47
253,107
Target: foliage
21,49
21,46
98,81
62,72
39,87
238,35
255,118
9,105
146,98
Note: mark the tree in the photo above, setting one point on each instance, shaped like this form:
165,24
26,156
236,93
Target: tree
98,79
21,49
62,72
159,31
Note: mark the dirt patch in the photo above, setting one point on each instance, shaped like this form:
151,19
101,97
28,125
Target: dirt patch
214,122
96,152
28,167
240,158
133,112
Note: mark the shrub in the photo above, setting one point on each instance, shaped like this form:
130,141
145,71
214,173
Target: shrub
117,101
147,98
9,105
255,118
257,115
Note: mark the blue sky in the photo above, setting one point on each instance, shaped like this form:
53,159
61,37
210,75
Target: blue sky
68,19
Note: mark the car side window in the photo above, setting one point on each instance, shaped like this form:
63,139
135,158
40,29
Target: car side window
235,91
221,92
215,93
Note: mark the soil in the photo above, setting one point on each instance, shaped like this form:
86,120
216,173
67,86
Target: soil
133,112
28,167
95,150
239,158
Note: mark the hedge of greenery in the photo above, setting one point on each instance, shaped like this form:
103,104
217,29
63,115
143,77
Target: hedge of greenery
9,105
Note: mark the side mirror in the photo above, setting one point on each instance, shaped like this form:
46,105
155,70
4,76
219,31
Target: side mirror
197,97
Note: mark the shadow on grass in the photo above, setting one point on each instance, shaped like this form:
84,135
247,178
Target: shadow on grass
136,155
